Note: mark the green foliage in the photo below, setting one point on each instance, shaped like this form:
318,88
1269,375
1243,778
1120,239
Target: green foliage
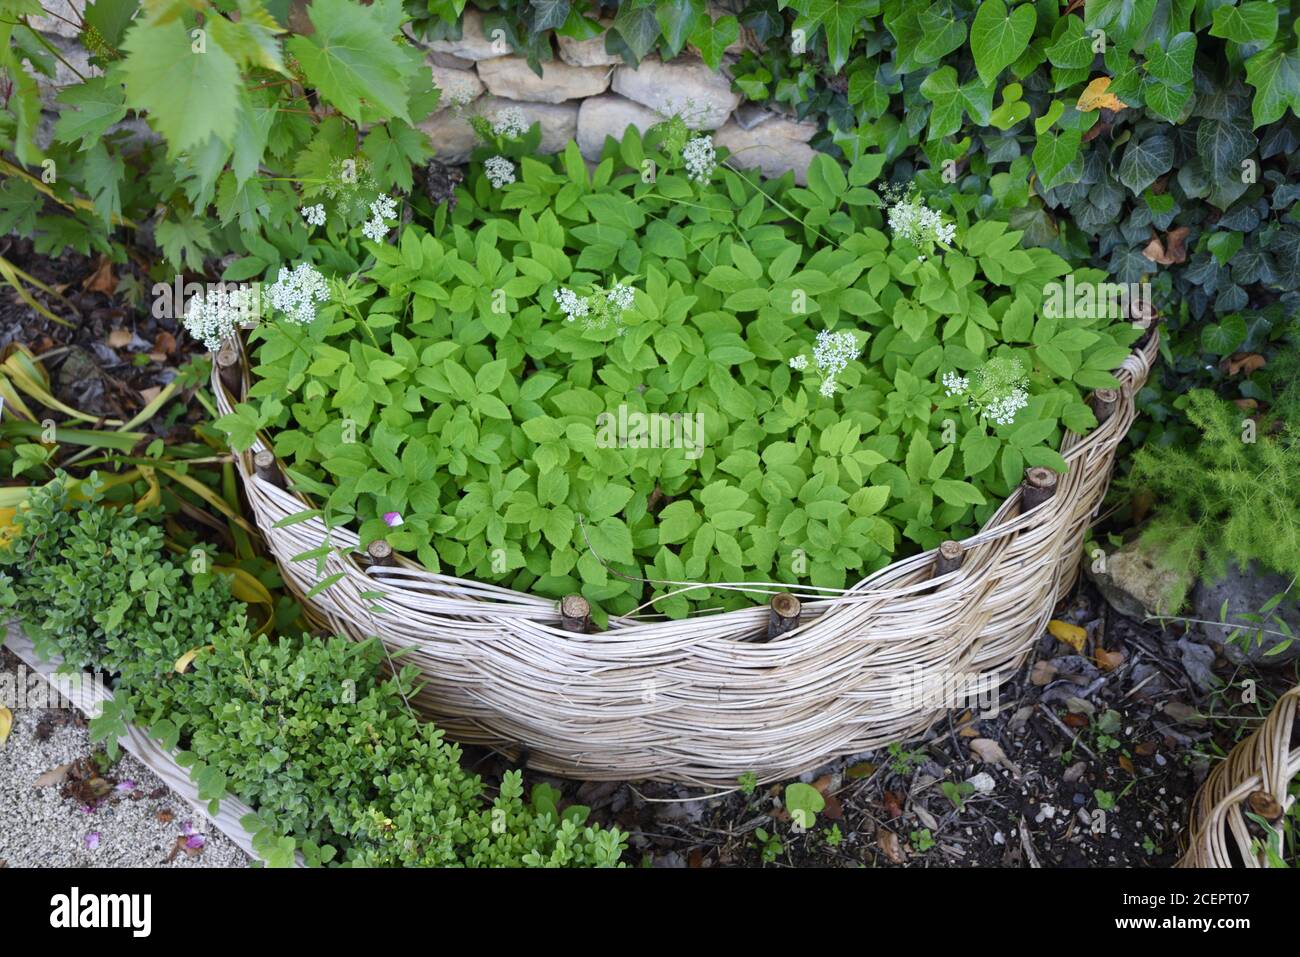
506,436
1233,495
308,732
90,582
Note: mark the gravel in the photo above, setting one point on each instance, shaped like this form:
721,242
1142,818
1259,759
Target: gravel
139,824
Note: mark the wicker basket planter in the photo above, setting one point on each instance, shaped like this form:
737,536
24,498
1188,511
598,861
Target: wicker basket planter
1253,777
703,700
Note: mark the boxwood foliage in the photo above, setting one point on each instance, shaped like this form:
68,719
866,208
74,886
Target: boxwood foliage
444,383
309,732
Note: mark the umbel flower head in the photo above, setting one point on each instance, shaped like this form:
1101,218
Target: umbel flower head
294,294
909,218
499,171
699,158
510,122
213,315
1000,389
831,355
599,308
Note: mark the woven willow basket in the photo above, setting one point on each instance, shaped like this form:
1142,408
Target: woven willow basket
705,699
1253,777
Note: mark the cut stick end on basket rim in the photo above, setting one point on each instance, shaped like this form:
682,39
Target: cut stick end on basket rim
785,611
264,465
1038,487
1104,403
949,558
380,552
575,613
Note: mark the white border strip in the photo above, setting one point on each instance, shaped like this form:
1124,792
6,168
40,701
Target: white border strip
89,698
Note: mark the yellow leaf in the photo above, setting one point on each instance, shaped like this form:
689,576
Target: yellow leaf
184,661
1072,635
1096,96
6,722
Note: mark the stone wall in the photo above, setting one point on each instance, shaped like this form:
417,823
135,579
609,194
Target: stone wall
587,94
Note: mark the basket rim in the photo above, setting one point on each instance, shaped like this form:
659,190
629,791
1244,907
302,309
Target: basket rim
1006,519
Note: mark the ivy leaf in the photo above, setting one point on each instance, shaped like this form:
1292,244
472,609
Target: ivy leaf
1145,160
352,58
166,78
637,25
1057,158
941,33
1173,66
1222,145
548,14
1166,100
998,38
713,37
839,20
677,20
95,106
1073,49
1275,75
1253,22
951,100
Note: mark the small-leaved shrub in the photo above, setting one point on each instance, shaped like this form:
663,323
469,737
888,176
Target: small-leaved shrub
689,375
308,732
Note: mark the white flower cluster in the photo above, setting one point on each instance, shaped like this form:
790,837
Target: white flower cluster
314,215
834,350
621,297
1003,409
295,294
510,122
831,354
600,308
212,316
911,219
700,158
571,304
999,392
382,209
460,93
500,171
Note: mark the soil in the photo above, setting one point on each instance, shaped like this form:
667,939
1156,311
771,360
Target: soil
115,354
1091,760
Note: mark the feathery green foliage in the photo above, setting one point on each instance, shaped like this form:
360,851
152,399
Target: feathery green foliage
1235,495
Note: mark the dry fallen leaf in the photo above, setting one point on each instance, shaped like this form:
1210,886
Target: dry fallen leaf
889,843
893,805
859,771
164,817
1146,748
1242,362
1127,765
834,810
119,338
1172,250
150,393
1097,96
53,776
1073,720
1063,631
102,279
991,752
1108,660
1042,673
6,722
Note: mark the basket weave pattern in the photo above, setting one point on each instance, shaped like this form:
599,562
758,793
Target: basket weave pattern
705,699
1264,762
